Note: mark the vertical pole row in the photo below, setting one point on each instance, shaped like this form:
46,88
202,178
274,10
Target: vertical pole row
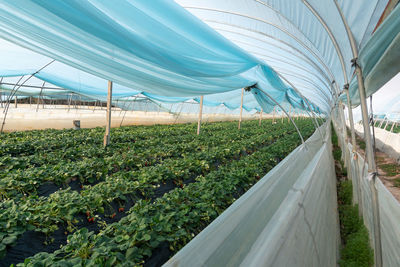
241,109
106,140
200,114
351,120
387,122
391,129
368,141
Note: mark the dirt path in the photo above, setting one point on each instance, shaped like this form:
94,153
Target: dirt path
388,169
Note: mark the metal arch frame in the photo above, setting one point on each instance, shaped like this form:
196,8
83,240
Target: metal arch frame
300,55
276,102
279,47
324,25
331,36
368,141
334,42
324,93
294,63
301,77
370,157
36,86
8,99
305,100
15,91
305,79
341,59
308,59
273,25
339,54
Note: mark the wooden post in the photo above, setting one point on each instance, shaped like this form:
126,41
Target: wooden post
261,112
273,116
106,140
241,109
200,114
15,101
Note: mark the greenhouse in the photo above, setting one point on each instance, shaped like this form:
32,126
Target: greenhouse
200,133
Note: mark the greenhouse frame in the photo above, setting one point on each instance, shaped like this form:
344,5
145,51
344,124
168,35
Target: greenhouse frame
271,61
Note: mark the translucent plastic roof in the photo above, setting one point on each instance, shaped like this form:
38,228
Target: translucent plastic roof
287,49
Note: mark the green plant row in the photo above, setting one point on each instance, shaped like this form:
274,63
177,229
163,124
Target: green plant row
46,214
93,163
174,218
356,250
396,128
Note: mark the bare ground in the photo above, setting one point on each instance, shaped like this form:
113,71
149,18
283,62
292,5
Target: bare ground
388,170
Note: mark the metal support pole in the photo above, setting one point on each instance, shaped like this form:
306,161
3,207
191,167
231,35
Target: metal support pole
69,102
106,140
387,122
261,112
382,121
351,120
290,118
368,140
200,114
15,101
40,94
241,109
391,129
361,89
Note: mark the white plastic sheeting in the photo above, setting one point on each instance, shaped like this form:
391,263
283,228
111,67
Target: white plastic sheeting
389,208
385,141
309,32
289,218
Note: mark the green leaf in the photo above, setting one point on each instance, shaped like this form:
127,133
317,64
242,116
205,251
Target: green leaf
9,240
130,252
146,237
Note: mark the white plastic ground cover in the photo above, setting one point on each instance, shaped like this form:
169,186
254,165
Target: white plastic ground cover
289,218
385,141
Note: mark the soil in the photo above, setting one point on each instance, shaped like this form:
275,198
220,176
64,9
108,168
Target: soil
391,179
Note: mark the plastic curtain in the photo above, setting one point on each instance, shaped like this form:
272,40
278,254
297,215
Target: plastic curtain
379,58
144,58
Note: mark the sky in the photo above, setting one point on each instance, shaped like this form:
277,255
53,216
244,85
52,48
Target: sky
385,100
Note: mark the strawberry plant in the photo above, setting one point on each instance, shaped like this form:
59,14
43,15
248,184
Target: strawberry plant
152,187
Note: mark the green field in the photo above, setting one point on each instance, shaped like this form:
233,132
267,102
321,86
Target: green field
396,128
136,202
